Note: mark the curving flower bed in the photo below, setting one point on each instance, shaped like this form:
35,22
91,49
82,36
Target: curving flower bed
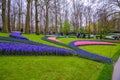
29,47
17,35
56,42
35,48
10,39
82,43
83,53
88,55
11,48
53,39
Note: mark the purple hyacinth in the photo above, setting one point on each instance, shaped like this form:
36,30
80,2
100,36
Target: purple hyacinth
10,48
88,55
17,35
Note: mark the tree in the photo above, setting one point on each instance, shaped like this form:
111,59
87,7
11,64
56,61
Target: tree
19,4
13,17
56,16
77,14
66,27
47,16
27,25
36,17
4,20
9,21
31,17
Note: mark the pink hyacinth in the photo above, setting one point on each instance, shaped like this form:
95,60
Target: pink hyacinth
53,39
81,43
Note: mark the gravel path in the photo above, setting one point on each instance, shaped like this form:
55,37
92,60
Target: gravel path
116,73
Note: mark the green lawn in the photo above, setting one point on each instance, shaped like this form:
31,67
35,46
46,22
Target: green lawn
48,68
68,40
4,34
38,38
55,67
103,50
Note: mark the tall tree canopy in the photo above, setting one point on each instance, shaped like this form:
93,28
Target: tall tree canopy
44,16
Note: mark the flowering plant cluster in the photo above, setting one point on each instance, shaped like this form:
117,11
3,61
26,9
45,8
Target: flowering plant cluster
82,43
10,39
83,53
53,39
22,46
88,55
17,35
56,42
11,48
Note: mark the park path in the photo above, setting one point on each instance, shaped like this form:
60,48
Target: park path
116,72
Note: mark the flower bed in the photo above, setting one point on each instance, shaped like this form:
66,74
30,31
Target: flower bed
83,53
88,55
53,39
10,39
82,43
17,35
8,48
56,42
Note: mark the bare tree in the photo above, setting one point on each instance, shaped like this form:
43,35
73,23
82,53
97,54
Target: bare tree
27,26
36,17
4,21
9,21
47,15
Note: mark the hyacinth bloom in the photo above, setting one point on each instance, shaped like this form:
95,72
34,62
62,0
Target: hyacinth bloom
17,35
10,39
11,48
88,55
53,39
82,43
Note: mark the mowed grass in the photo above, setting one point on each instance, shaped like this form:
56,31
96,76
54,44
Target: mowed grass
103,50
38,38
48,68
68,40
55,67
4,34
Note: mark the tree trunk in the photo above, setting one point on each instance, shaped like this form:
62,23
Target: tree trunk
56,28
36,17
31,18
9,21
27,25
14,19
47,18
4,21
19,16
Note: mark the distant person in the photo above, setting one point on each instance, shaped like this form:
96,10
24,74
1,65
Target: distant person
0,29
101,36
78,35
53,33
84,35
116,37
61,33
21,30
